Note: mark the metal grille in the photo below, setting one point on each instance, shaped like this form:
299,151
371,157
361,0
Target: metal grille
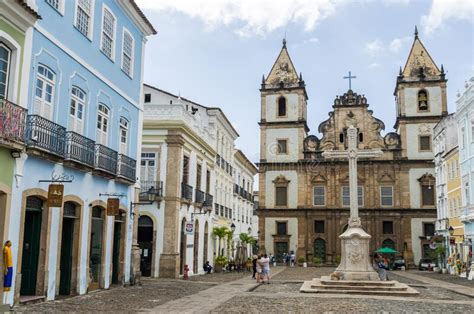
97,212
12,122
69,210
199,196
105,159
46,135
34,203
186,191
126,167
80,148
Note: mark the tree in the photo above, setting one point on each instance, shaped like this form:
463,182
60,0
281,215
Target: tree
247,239
230,236
219,232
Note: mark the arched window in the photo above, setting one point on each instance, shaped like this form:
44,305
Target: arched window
102,124
5,61
44,92
388,243
423,100
76,110
123,136
282,106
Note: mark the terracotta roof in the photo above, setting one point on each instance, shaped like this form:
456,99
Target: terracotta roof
140,12
29,9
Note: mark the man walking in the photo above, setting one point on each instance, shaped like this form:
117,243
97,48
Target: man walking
265,262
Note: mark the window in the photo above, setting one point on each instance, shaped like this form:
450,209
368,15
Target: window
282,106
76,111
425,143
281,227
319,226
44,92
102,124
186,171
84,17
58,5
281,197
361,137
387,227
428,229
148,167
463,137
466,193
319,196
346,198
198,176
127,53
147,98
422,100
108,34
341,137
282,147
5,56
208,181
386,196
123,136
427,195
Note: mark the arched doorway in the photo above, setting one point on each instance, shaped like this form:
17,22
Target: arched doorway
69,248
118,249
196,248
182,247
206,243
388,243
31,245
145,242
96,247
320,250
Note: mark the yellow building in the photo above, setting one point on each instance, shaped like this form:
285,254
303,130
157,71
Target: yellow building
454,203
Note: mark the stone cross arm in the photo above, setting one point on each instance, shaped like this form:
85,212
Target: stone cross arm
363,153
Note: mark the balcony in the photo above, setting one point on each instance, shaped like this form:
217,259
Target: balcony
105,159
126,168
236,188
80,149
209,200
218,160
12,124
150,189
200,197
186,192
45,135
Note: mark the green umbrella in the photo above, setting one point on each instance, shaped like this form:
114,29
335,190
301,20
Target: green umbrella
386,250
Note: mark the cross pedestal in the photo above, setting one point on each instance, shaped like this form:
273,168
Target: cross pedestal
355,259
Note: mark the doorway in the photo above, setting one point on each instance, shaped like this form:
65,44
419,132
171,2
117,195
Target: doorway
281,249
67,248
320,250
117,253
196,248
96,246
31,245
145,242
182,247
206,243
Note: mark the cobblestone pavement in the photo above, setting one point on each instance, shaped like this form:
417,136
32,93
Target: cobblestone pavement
303,273
153,292
220,277
444,277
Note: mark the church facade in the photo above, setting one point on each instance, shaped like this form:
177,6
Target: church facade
304,198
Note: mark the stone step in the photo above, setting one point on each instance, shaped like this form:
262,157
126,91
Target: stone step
364,288
355,282
31,299
365,292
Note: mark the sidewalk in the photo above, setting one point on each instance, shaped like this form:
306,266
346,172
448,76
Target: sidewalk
464,290
214,296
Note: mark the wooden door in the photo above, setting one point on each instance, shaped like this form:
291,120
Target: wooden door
31,250
281,248
66,256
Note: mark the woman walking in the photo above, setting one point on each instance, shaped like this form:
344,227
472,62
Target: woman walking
254,266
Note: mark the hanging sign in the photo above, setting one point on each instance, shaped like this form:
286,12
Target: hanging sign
189,227
55,195
113,206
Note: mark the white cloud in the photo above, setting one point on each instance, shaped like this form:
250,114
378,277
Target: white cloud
442,10
251,17
375,47
397,43
374,65
312,40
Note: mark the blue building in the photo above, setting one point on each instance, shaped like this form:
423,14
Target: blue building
84,116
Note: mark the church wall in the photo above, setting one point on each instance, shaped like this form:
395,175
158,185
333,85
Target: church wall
292,188
434,101
292,137
270,232
291,108
415,189
413,132
416,233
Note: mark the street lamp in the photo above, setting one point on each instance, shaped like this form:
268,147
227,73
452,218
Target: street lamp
249,230
232,227
451,230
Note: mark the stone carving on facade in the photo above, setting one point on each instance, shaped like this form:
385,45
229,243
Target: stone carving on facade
350,99
283,72
392,139
424,129
311,143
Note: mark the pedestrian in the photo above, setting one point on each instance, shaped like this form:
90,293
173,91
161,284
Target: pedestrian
287,260
272,260
207,267
379,267
8,266
259,269
265,261
292,259
254,266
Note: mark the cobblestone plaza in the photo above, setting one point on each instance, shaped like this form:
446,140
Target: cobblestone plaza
238,293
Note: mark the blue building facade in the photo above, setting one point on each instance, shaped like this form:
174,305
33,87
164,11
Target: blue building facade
83,122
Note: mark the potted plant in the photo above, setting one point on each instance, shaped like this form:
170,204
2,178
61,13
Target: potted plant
338,259
317,260
301,260
219,263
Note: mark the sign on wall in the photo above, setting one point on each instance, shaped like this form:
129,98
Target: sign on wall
189,227
55,195
113,205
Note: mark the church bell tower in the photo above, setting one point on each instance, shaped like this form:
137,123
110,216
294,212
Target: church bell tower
421,101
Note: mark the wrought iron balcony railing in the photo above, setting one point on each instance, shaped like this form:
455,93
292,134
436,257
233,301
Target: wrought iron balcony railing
236,188
186,191
209,200
150,190
12,122
79,149
45,135
126,167
105,159
200,197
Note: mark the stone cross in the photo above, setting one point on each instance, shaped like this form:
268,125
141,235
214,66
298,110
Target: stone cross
350,77
352,153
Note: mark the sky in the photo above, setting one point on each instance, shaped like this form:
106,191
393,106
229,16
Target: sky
215,52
